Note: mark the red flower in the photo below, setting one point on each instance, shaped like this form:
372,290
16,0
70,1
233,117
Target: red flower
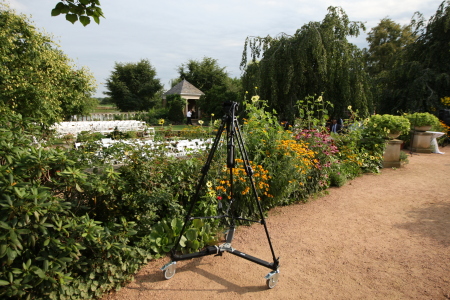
219,198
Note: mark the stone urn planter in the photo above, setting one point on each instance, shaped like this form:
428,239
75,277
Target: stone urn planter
422,128
394,135
391,156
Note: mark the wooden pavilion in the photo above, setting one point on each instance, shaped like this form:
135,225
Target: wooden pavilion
189,92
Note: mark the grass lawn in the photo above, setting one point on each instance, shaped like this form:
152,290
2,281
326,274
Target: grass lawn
106,108
177,127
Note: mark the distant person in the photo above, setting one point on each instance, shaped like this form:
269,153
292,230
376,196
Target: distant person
335,126
189,117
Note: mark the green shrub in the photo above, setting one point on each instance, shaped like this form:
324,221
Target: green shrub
49,249
422,119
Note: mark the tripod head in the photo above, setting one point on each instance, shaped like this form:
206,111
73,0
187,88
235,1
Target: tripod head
230,108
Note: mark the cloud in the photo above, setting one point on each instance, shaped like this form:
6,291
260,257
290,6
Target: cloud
169,33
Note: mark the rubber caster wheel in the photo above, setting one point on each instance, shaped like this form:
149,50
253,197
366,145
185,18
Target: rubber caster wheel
272,281
170,271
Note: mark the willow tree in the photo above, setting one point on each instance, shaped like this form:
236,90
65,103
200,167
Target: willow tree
317,59
423,77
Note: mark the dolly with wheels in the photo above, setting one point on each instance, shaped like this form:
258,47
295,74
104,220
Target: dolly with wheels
230,124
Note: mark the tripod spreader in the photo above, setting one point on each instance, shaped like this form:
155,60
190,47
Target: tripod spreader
218,250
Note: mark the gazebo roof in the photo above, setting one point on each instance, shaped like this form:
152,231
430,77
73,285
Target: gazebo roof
184,88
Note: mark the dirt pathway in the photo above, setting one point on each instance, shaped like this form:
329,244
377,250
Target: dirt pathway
378,237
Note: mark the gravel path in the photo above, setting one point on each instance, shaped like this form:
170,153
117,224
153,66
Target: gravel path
383,236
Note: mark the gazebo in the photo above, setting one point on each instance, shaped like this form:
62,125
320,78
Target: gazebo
189,92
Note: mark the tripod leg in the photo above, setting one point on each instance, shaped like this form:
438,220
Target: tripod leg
249,172
204,172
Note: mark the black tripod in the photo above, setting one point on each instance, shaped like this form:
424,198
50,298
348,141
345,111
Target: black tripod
229,122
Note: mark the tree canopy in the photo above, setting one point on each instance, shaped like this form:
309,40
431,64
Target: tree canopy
82,10
386,41
212,80
132,86
423,77
37,79
317,59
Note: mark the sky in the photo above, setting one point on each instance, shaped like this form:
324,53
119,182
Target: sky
170,33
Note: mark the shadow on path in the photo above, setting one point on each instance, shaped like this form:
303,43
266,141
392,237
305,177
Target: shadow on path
431,221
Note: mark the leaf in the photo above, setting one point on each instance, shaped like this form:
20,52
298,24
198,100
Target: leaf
78,188
56,12
197,223
3,283
45,266
192,234
85,20
14,239
12,254
195,245
3,250
72,18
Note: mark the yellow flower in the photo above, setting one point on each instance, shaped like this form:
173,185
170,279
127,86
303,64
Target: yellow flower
212,115
319,99
255,99
200,122
161,121
349,107
209,184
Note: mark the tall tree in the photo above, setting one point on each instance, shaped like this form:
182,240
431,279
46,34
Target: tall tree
36,78
132,86
317,58
387,41
423,78
203,74
212,80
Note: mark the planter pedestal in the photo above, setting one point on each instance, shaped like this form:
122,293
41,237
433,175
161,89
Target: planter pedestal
391,156
421,142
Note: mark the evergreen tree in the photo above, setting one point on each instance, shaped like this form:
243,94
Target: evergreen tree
133,86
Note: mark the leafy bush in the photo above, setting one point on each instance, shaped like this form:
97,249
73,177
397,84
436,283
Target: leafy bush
422,119
48,249
176,104
382,125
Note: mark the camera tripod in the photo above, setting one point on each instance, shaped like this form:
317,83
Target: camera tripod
230,124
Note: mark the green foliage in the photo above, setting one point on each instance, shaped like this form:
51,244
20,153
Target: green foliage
82,10
421,78
317,58
132,86
36,78
382,125
386,42
86,136
47,249
422,119
176,105
213,81
166,233
313,113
